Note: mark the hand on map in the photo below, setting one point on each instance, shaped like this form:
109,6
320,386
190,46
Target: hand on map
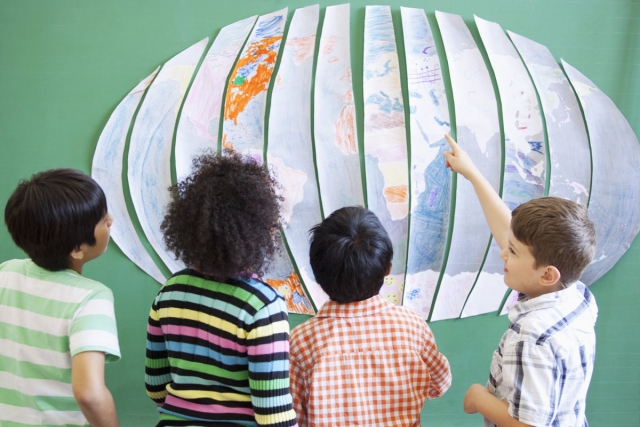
458,160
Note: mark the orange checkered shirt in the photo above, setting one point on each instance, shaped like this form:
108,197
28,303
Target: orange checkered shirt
367,363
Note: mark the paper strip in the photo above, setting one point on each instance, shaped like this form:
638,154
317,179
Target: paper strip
615,188
290,148
107,171
336,139
385,143
200,117
525,161
478,133
150,147
430,180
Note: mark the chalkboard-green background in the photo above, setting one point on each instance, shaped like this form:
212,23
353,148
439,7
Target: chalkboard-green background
65,65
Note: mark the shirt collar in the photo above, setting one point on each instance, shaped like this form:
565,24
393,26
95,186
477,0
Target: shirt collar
32,266
526,305
374,305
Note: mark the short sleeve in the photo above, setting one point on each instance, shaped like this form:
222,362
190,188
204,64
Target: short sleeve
530,371
94,327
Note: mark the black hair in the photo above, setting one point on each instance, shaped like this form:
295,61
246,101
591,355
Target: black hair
53,213
350,254
224,218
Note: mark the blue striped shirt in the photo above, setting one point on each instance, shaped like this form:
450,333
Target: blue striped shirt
544,362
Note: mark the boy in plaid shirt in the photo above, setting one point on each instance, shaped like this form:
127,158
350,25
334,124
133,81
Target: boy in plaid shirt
541,371
361,360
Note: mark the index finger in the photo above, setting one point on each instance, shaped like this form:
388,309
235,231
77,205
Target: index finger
452,143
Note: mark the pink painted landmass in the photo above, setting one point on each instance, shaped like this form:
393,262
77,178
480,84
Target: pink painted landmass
329,44
304,47
380,120
203,105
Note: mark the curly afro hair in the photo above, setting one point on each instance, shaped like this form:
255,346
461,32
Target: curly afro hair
224,218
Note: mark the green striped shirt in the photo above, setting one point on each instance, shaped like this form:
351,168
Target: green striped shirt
46,318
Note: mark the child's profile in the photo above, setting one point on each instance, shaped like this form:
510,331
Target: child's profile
541,371
59,327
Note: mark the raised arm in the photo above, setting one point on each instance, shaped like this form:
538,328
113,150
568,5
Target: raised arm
495,210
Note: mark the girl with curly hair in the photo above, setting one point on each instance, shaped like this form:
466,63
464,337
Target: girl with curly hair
217,337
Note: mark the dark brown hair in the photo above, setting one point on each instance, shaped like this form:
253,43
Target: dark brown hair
223,218
53,213
558,232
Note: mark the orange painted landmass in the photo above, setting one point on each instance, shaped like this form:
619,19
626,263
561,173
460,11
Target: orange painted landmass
294,295
239,94
329,44
345,131
225,144
396,194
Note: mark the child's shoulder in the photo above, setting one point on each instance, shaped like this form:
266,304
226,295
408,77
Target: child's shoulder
408,316
560,319
12,265
66,284
30,269
252,291
256,289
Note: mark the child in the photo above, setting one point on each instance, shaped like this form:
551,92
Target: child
57,328
361,360
217,347
541,370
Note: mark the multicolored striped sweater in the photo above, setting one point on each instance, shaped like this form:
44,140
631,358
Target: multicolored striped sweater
219,351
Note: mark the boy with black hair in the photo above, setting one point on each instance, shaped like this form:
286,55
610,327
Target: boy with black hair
361,360
541,371
57,328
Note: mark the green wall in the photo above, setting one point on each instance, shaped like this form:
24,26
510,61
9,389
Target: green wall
65,65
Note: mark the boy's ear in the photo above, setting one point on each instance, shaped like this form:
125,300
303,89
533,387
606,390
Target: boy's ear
388,270
78,253
550,276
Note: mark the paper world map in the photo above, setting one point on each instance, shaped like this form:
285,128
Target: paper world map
287,99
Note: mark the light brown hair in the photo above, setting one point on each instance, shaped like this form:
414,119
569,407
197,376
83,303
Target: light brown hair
558,232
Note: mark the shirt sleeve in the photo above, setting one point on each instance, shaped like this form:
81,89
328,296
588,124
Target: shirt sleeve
530,370
298,384
438,365
157,372
94,327
268,356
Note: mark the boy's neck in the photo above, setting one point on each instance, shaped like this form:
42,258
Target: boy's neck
76,265
543,290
